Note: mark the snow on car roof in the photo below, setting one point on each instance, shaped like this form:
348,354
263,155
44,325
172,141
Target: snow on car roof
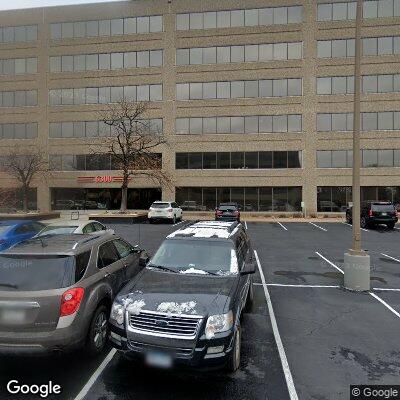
206,229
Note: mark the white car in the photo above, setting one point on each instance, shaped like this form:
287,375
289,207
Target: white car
79,227
164,210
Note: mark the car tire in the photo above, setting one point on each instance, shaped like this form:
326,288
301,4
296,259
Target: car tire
348,219
98,331
390,225
250,297
150,221
364,223
235,355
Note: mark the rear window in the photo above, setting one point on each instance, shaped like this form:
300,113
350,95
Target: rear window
26,273
4,228
160,205
227,208
382,207
58,230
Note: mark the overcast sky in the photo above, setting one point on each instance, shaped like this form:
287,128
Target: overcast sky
14,4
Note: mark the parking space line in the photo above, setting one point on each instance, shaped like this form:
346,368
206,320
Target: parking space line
297,286
320,227
372,294
245,224
177,223
386,289
278,340
365,230
283,226
395,259
85,390
331,263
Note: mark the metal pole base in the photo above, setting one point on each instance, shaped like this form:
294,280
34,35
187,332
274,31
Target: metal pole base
357,271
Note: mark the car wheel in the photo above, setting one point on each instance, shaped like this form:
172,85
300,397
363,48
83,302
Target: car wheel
150,220
250,297
234,357
98,331
390,225
364,223
348,219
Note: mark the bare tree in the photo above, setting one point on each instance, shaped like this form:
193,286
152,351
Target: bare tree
24,165
133,145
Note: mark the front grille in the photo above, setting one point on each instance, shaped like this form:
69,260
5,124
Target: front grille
167,325
176,352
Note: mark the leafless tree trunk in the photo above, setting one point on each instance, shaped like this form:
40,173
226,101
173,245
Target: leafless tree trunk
24,165
133,145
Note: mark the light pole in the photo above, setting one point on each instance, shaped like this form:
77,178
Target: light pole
356,261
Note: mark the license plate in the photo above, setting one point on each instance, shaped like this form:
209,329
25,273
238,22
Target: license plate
159,360
384,214
12,316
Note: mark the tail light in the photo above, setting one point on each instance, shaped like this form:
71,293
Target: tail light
370,213
70,301
218,212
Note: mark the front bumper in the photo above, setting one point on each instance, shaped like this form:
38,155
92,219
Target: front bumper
190,354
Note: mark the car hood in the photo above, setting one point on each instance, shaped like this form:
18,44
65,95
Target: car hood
176,293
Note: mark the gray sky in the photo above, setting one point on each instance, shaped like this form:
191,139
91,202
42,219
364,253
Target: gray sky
14,4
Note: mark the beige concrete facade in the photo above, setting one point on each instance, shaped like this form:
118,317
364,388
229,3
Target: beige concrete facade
309,104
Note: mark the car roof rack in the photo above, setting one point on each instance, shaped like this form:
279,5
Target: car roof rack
207,229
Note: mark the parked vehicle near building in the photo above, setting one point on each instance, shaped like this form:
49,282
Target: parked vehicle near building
185,307
374,213
77,227
15,231
227,212
164,210
56,291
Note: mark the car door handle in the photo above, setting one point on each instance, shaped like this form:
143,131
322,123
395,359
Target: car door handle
107,274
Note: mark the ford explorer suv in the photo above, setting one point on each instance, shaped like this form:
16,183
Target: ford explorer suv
56,291
184,308
374,213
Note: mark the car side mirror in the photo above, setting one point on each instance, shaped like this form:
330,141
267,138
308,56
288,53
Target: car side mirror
143,259
249,268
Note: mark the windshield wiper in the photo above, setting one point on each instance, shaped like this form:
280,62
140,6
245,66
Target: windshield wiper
163,268
9,285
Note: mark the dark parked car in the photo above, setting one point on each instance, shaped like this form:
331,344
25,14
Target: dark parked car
227,212
15,231
374,213
56,291
185,307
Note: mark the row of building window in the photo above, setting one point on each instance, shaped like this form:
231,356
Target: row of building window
93,62
370,121
244,53
370,158
105,95
15,34
87,162
370,84
370,47
19,131
347,11
19,98
239,160
248,198
17,66
337,198
237,18
118,26
92,129
248,124
239,89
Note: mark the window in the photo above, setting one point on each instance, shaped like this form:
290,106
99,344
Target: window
19,131
107,255
81,263
15,34
124,249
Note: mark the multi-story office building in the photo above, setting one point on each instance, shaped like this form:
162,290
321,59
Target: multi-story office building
255,97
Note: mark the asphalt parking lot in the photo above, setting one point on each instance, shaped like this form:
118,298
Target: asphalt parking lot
305,338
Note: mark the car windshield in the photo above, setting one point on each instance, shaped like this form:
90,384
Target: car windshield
160,205
30,273
57,230
197,256
4,228
383,207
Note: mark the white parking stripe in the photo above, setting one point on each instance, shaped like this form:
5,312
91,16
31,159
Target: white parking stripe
331,263
245,224
283,226
85,390
320,227
386,289
372,294
278,340
298,286
366,230
395,259
177,223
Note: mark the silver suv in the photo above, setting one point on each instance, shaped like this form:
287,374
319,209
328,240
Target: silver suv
56,292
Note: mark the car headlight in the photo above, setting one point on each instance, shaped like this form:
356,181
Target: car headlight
218,323
117,313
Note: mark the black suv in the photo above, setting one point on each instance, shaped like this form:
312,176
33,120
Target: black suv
375,213
185,307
